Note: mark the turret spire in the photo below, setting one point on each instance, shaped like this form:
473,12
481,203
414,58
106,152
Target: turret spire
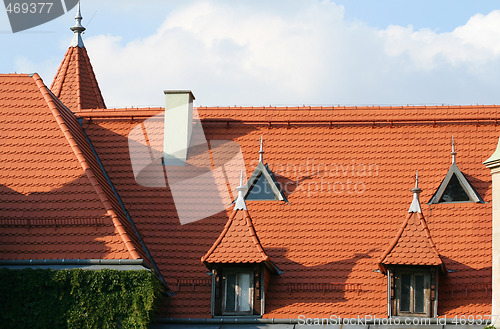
261,152
240,200
78,29
415,204
453,153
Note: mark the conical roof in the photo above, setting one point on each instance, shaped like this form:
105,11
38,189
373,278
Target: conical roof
75,83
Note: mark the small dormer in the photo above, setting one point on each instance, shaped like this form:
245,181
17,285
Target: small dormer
455,187
412,264
240,267
262,185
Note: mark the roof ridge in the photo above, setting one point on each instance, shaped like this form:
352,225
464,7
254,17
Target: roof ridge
395,240
56,88
345,107
427,233
16,74
254,236
86,167
96,88
78,81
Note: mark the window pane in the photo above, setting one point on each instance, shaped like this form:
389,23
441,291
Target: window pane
244,292
261,190
231,292
419,293
404,302
454,191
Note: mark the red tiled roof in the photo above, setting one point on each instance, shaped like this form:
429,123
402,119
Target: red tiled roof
75,83
412,245
238,243
345,172
55,201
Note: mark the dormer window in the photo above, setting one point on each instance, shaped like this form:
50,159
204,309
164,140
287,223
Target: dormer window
455,187
412,264
239,289
262,185
454,192
413,290
241,269
238,292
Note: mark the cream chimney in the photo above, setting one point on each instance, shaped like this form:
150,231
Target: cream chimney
178,126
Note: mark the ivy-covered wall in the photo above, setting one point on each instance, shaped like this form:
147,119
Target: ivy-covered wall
77,298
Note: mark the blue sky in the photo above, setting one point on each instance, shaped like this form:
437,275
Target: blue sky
281,52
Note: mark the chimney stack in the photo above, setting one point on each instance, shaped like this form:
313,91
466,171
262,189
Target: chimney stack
178,126
493,163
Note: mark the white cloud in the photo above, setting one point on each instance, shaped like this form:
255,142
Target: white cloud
233,53
477,42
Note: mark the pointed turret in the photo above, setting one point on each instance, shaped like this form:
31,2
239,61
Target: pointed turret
415,204
240,201
75,83
413,244
453,153
78,29
261,151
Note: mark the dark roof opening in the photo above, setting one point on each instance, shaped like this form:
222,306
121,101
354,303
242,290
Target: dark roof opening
261,190
454,191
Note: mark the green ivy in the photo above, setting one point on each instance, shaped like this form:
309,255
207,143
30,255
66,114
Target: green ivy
77,298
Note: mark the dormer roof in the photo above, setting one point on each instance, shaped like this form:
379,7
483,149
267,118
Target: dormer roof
238,243
413,244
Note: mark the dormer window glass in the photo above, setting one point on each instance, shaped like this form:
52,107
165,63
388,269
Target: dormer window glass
454,192
455,187
262,185
238,292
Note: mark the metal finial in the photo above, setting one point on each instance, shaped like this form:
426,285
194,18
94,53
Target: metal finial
261,152
77,29
415,204
453,153
240,200
416,189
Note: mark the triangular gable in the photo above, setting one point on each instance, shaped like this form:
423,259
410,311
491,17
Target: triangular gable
455,187
262,186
